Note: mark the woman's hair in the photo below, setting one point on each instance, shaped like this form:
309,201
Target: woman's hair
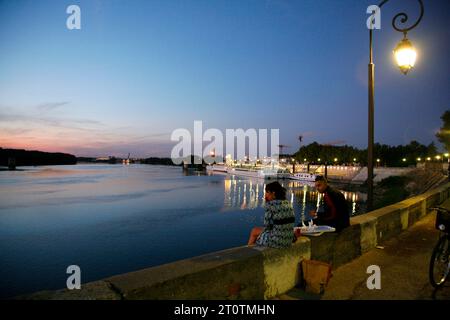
280,192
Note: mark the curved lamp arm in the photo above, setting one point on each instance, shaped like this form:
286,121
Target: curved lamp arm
404,18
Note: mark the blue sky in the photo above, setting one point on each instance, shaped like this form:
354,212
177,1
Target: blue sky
137,70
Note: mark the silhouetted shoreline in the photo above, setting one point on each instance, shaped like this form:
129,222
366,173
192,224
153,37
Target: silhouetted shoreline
13,158
10,159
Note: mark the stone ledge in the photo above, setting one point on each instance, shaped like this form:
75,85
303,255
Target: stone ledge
211,276
97,290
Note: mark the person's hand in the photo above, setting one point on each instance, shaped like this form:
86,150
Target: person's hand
313,213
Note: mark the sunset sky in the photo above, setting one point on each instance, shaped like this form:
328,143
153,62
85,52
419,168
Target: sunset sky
137,70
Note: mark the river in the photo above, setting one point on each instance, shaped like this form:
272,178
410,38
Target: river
111,219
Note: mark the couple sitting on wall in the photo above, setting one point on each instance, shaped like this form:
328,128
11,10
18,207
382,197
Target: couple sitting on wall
279,218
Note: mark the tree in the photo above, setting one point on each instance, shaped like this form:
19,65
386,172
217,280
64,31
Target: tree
391,156
443,134
431,149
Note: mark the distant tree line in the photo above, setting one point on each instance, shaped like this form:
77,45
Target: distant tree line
392,156
162,161
34,158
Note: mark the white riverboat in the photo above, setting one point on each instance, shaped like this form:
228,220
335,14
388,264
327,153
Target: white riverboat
262,173
303,176
217,168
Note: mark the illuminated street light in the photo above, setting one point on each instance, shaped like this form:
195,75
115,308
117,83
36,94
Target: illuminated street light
428,159
419,159
335,159
404,159
405,55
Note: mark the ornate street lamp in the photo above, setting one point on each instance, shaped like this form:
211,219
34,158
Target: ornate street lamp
406,57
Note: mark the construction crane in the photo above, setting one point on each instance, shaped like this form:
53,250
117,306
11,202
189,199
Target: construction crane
300,139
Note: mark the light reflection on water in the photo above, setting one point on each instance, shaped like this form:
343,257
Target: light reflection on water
249,194
111,219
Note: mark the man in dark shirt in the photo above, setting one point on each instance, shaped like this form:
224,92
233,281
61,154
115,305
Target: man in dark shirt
334,208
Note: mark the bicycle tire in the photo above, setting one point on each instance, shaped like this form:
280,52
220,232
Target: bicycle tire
441,248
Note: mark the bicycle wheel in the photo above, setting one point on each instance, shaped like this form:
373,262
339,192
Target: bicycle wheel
439,264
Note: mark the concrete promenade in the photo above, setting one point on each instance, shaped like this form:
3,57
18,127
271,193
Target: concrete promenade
403,261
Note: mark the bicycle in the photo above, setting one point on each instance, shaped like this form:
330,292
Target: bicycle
440,258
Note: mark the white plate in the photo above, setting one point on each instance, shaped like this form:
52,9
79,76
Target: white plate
315,230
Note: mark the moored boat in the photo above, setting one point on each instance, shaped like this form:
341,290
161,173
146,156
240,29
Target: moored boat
262,173
217,168
303,176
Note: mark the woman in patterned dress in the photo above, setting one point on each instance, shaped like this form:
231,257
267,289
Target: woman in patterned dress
279,219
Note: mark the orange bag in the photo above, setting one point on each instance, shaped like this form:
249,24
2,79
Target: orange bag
316,275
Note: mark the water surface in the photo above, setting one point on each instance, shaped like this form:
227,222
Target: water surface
111,219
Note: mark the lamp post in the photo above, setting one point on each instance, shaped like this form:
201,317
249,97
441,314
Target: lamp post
405,56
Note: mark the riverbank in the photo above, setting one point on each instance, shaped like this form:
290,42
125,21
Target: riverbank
398,187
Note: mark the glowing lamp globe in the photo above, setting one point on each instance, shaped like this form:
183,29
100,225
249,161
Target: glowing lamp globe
405,55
